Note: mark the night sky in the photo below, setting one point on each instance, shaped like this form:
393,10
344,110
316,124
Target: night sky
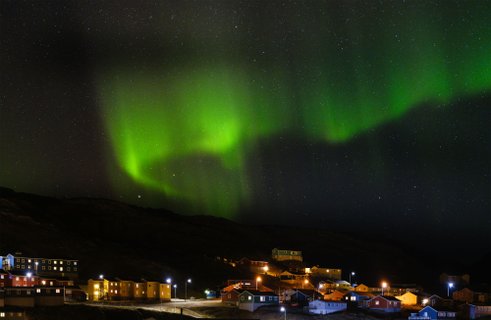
361,116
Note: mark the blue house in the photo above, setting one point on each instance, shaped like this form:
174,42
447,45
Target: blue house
432,313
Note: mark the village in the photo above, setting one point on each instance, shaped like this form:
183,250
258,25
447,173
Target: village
281,282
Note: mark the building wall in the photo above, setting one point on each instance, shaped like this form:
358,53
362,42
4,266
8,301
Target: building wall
284,255
139,290
326,307
127,289
152,290
45,266
165,292
97,289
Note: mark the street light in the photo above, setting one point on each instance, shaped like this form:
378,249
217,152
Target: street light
101,276
304,283
384,285
449,286
175,291
186,288
258,279
283,309
425,301
350,275
168,280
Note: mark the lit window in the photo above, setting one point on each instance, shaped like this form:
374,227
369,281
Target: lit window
377,303
29,260
16,278
2,314
55,268
1,276
51,283
116,291
55,262
61,268
38,290
43,282
57,290
75,263
262,298
96,286
249,298
61,262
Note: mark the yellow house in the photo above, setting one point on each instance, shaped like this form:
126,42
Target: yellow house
362,288
408,299
165,292
98,289
152,290
139,291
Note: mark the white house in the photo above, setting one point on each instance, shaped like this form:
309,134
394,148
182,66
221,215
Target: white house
326,307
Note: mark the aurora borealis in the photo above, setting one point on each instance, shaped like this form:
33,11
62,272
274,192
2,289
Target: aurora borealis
338,111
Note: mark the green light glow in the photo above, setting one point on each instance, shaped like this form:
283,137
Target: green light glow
188,130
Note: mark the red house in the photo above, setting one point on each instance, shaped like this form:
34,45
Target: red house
384,304
4,278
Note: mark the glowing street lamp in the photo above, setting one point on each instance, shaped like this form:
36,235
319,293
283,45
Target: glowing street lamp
266,269
175,291
283,309
258,279
449,286
384,286
186,288
168,280
101,276
305,282
352,274
425,301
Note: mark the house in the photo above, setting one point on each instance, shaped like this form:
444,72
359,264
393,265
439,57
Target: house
357,299
75,294
152,290
126,289
343,285
4,278
22,279
164,292
251,300
286,255
469,296
384,304
231,296
301,297
325,273
336,295
326,307
464,295
437,301
254,266
476,311
98,289
139,290
362,288
408,299
431,313
49,267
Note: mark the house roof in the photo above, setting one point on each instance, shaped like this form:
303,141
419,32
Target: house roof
257,293
388,298
436,308
21,273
